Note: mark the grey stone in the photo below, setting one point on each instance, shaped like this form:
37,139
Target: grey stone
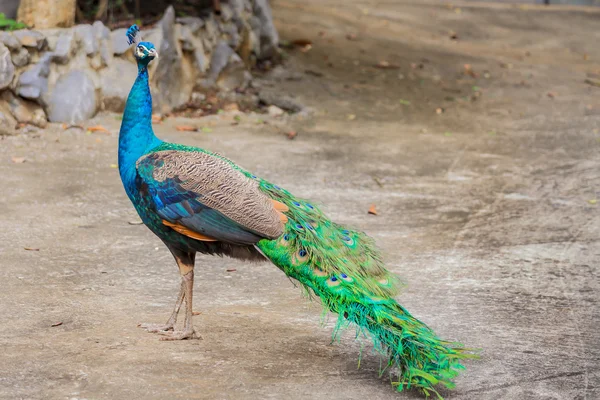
234,75
73,99
29,38
104,43
275,111
173,82
193,23
10,40
270,97
9,8
100,30
33,83
116,81
24,111
226,12
88,39
265,30
65,47
7,68
20,57
8,123
119,41
219,60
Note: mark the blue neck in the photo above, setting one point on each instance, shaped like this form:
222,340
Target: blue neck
136,136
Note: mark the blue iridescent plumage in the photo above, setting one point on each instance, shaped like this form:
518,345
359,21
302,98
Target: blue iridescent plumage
198,201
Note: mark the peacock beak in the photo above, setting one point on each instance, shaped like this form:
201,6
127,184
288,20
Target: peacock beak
153,53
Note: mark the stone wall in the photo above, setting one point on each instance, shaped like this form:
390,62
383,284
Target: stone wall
68,75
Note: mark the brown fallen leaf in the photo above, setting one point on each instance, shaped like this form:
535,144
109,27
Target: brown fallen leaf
453,35
306,48
231,270
196,313
186,128
156,118
31,249
372,210
386,65
98,128
292,135
439,110
18,160
138,222
56,324
302,42
351,36
551,94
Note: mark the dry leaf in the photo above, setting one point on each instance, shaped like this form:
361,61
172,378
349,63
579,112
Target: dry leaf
18,160
372,210
292,135
593,201
156,118
138,222
56,324
306,48
552,94
439,110
98,128
351,117
196,313
114,166
351,36
302,42
31,249
186,128
231,270
386,65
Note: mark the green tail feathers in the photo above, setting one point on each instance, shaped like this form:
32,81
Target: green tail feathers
344,268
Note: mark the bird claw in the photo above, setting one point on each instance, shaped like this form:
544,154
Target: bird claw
156,328
179,335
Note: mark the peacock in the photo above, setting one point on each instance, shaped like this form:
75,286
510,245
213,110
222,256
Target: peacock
195,201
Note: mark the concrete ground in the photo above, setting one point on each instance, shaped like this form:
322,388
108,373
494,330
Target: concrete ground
488,210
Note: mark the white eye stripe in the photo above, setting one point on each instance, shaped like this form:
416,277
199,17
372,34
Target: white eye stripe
141,46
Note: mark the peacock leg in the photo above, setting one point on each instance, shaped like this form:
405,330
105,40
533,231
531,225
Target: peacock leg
185,261
188,331
169,326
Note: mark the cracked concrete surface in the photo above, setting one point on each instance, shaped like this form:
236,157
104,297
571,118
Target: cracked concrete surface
486,210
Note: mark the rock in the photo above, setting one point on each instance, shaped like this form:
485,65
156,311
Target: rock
226,12
104,42
8,123
173,78
33,83
275,111
65,47
24,111
234,75
10,40
73,99
116,84
219,60
7,68
279,100
119,41
265,30
87,37
191,43
9,8
28,38
20,57
194,24
47,13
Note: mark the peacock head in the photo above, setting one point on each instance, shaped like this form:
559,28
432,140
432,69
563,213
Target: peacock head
144,52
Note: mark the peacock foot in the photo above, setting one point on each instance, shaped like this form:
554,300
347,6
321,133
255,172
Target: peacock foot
179,335
157,328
